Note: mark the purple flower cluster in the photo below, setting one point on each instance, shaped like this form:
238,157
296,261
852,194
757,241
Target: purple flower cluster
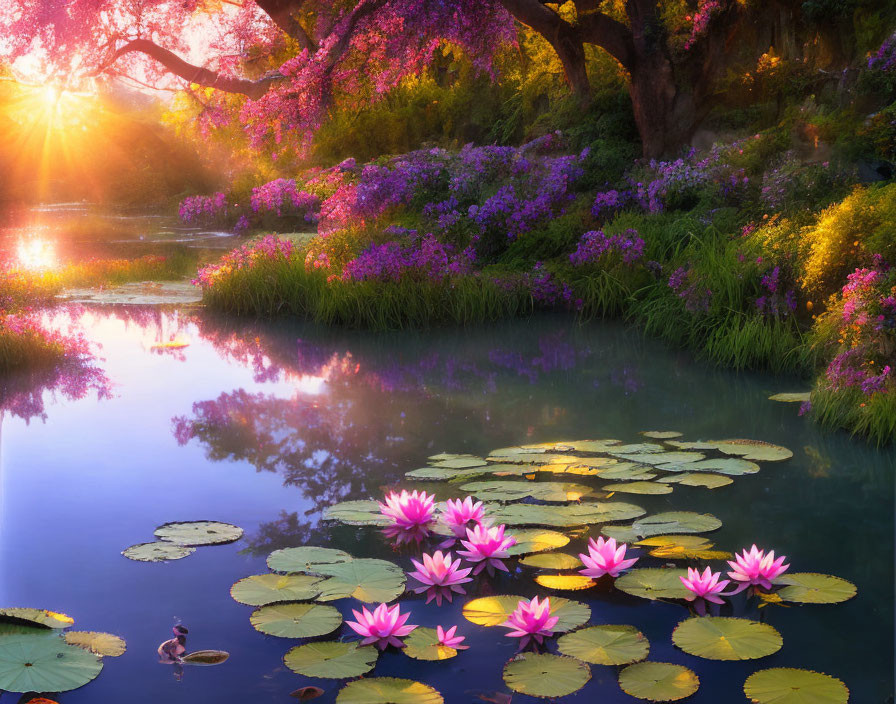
689,289
203,210
705,10
594,245
884,59
393,261
267,249
793,183
282,196
774,302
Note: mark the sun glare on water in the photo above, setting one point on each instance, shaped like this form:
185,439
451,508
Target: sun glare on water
36,255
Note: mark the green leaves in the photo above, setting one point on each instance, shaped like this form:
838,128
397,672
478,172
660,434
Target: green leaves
495,610
605,645
653,583
388,690
157,552
331,659
296,620
812,588
36,664
784,685
722,638
305,558
423,644
658,681
572,515
356,513
364,579
261,589
193,533
543,675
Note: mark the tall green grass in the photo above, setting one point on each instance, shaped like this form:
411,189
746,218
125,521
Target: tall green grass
872,417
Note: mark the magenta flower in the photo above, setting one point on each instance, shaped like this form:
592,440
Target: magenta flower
757,568
440,576
704,586
457,514
409,510
384,626
604,557
448,639
487,546
531,620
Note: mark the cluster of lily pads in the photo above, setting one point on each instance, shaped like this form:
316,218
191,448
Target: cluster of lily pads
39,654
518,510
177,540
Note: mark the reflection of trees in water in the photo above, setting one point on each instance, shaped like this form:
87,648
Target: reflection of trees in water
24,395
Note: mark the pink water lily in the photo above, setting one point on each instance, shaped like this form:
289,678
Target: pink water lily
383,627
458,513
448,639
487,546
531,620
440,576
704,586
756,568
604,557
409,509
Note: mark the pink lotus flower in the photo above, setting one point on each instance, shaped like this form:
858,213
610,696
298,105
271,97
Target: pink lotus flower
704,586
755,567
440,576
457,514
605,558
531,620
384,626
487,546
409,510
448,639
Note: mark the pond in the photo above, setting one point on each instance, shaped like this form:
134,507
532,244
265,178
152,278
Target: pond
264,425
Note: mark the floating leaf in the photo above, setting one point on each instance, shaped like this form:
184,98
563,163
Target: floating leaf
25,629
591,469
519,450
35,664
305,558
517,491
638,488
732,466
748,449
388,690
552,561
593,445
676,522
654,583
304,694
364,579
564,582
42,617
331,659
460,463
157,552
605,645
663,458
724,638
495,610
356,513
442,456
206,657
791,397
658,681
660,434
785,685
628,471
621,534
710,481
423,644
571,515
438,474
192,533
97,643
813,588
529,540
543,675
296,620
691,547
261,589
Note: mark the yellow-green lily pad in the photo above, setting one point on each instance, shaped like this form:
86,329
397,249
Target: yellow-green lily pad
331,659
261,589
724,638
813,588
785,685
296,620
388,690
605,645
658,681
423,644
654,583
544,675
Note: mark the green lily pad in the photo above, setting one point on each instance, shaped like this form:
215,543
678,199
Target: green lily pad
660,434
723,638
305,558
388,690
638,488
439,474
658,681
442,456
518,450
663,458
683,547
331,659
628,471
529,540
356,513
158,551
495,610
26,629
571,515
564,582
262,589
593,445
813,588
544,675
460,463
785,685
41,617
34,664
365,579
732,466
676,522
605,645
709,481
791,397
654,583
622,534
423,644
296,620
552,561
756,450
517,491
105,644
193,533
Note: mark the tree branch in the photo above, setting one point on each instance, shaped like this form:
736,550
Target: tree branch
283,14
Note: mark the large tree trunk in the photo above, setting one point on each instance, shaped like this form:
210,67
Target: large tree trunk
571,52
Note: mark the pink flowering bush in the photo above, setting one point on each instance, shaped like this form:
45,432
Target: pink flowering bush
283,198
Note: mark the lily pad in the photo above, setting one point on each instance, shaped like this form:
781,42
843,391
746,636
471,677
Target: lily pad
331,659
593,445
756,450
571,515
29,664
709,481
41,617
724,638
531,540
658,681
495,610
460,463
104,644
262,589
638,488
785,685
442,456
296,620
544,675
305,558
680,547
629,471
564,582
388,690
732,466
660,434
518,450
552,561
663,458
517,491
423,644
654,583
206,657
813,588
356,513
366,579
605,645
158,551
622,534
791,397
193,533
676,522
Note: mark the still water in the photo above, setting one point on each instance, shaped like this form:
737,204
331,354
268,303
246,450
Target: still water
263,425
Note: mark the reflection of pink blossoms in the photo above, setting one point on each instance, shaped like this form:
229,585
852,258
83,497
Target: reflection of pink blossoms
704,586
384,626
448,639
457,514
755,567
440,575
605,558
531,620
409,510
487,546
